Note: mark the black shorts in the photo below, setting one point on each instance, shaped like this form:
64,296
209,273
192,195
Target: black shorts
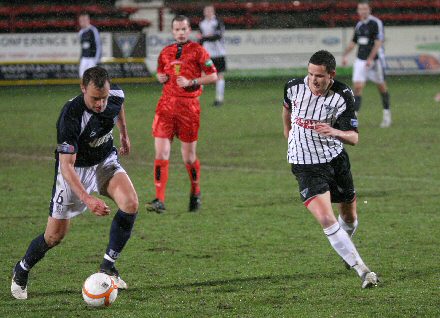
220,63
334,176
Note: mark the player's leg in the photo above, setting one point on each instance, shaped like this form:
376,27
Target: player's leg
219,89
121,190
348,217
64,206
377,75
54,233
386,119
163,132
359,79
320,207
220,64
192,165
188,132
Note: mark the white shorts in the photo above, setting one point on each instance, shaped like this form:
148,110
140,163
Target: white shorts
65,204
375,73
86,63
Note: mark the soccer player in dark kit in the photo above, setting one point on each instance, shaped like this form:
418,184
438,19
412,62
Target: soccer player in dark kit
87,162
183,67
318,119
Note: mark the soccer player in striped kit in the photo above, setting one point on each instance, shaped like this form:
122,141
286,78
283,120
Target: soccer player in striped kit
183,67
370,60
318,118
212,30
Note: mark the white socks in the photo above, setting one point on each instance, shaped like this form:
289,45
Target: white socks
343,245
350,228
220,90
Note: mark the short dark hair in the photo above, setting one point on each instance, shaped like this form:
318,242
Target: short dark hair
181,18
97,75
325,58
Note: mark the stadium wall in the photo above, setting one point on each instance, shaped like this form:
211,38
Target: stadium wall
53,58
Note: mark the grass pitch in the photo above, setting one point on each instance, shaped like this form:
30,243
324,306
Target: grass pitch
254,250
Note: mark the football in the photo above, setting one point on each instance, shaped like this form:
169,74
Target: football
99,290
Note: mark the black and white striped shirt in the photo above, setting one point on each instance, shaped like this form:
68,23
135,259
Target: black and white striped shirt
90,43
335,107
365,33
212,31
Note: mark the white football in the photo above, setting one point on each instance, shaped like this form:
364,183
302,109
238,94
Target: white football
99,290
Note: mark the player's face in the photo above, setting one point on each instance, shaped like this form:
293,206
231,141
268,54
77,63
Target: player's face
96,98
319,79
181,31
84,21
209,12
363,10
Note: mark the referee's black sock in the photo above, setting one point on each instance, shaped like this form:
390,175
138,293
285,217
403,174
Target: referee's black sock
385,100
357,103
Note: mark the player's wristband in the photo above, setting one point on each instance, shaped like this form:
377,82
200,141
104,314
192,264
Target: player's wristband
194,82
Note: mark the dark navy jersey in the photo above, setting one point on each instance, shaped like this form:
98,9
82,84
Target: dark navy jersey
365,33
86,133
90,43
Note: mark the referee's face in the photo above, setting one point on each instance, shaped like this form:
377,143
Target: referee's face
96,98
181,31
319,80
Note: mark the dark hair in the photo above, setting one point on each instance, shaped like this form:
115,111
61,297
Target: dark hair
325,58
181,18
364,2
97,75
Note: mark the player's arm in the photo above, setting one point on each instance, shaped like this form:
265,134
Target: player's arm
123,133
347,51
202,80
373,53
350,137
287,123
160,75
97,206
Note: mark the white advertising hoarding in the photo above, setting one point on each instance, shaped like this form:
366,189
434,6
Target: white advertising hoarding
50,47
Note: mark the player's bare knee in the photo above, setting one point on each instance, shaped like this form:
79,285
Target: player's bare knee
53,239
130,205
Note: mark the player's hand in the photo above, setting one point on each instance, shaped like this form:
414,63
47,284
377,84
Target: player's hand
437,97
97,206
369,63
125,145
183,81
344,60
162,78
326,130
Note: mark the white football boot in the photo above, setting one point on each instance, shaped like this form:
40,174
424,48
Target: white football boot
369,279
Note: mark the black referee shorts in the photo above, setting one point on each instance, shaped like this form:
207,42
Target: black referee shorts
334,176
220,63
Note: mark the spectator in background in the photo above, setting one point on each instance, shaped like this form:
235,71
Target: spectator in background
370,60
183,68
212,30
91,47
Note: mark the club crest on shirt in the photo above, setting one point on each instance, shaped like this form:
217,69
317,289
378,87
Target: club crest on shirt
177,69
354,122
